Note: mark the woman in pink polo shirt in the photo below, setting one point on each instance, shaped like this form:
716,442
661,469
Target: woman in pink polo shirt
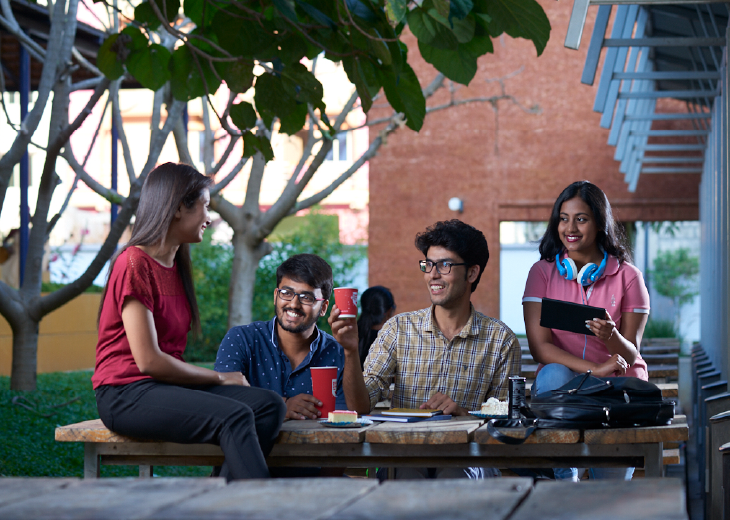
584,258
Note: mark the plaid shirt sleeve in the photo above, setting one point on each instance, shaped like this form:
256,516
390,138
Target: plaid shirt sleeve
381,363
510,364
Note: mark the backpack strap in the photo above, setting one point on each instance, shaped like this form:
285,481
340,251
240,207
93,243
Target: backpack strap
530,425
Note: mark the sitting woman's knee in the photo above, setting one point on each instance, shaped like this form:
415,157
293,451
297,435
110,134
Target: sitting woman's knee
552,376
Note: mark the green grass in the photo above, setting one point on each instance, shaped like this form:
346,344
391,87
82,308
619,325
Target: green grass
28,421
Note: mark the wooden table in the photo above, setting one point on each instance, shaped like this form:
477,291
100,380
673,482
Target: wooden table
465,442
340,498
460,442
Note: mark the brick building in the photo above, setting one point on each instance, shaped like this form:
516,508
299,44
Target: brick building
510,174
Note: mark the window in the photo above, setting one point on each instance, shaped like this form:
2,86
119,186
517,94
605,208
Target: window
338,152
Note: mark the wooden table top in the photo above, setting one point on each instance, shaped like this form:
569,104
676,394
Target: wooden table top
461,430
341,498
458,430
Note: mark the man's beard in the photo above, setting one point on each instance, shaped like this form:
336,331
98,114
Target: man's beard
295,330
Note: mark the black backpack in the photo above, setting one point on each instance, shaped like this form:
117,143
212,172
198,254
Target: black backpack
588,402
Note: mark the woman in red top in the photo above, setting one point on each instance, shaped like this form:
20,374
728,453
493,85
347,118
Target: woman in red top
143,387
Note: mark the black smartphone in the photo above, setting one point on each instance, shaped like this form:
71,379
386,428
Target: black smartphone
562,315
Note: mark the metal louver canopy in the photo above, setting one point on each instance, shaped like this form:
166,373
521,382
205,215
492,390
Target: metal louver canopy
656,50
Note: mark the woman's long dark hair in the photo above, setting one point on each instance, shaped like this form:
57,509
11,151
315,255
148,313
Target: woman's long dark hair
375,303
610,236
166,188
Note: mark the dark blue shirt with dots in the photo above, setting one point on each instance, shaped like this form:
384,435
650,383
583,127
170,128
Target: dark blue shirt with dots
253,350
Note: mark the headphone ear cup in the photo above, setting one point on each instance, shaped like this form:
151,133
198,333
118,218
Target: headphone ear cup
584,276
570,269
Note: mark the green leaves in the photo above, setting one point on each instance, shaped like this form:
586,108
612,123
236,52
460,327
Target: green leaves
145,14
185,75
253,143
243,115
518,18
405,95
286,96
147,63
238,75
149,66
396,10
229,38
108,60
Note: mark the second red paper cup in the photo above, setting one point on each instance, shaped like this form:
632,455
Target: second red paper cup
324,388
346,301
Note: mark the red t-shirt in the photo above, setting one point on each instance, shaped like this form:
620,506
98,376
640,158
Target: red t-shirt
160,289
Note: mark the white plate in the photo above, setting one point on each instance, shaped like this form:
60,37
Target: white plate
487,416
360,423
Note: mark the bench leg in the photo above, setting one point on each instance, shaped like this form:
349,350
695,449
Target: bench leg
654,460
92,468
145,471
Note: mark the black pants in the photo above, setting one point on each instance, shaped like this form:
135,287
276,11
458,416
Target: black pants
243,421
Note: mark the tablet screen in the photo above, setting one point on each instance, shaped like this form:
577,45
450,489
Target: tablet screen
562,315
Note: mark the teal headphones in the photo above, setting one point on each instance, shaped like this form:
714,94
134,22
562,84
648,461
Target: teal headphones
587,275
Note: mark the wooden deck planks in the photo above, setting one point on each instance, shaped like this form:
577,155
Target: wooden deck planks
110,499
455,499
277,499
640,499
17,489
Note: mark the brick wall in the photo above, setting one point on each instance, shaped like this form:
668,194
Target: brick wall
414,176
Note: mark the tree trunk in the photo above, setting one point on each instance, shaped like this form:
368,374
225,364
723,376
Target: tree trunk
243,278
25,345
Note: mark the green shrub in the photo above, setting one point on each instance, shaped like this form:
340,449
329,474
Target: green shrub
47,287
314,233
656,328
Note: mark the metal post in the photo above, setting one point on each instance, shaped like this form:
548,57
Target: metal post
24,87
186,118
115,139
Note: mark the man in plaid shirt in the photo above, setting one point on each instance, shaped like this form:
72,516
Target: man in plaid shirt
448,356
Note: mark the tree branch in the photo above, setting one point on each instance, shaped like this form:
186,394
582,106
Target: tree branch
228,178
253,190
181,141
227,211
371,151
119,124
30,124
112,196
226,154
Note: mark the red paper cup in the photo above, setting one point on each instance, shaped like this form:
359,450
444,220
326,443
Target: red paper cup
346,301
324,388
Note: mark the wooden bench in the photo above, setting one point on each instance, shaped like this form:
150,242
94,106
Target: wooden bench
104,447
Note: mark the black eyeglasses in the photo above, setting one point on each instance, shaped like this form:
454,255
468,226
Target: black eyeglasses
443,267
304,298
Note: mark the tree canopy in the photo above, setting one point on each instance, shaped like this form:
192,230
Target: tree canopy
198,44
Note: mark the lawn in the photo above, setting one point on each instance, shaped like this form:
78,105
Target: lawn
28,421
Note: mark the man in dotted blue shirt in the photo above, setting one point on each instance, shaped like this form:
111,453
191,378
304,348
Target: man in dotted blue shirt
278,354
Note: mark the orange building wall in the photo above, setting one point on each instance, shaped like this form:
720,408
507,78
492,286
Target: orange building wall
414,176
67,337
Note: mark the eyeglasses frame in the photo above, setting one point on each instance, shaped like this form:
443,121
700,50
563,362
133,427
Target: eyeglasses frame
299,297
423,264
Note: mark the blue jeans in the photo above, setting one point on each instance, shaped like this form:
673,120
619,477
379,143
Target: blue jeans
554,376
